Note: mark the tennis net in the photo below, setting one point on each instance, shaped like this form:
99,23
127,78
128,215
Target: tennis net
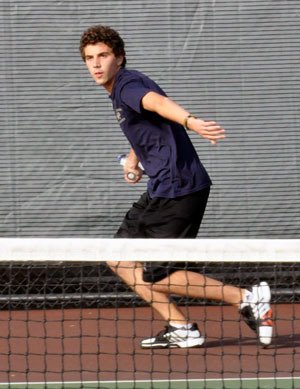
67,321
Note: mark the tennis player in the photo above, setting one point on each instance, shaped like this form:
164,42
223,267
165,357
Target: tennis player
177,193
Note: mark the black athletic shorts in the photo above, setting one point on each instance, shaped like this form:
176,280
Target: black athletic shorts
164,218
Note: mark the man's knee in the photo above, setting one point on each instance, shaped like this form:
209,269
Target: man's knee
119,266
113,265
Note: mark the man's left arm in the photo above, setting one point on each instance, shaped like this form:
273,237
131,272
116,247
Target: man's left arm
170,110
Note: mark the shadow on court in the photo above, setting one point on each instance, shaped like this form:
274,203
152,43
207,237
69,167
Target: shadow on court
279,341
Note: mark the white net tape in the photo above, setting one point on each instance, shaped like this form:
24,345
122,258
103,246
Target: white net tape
224,250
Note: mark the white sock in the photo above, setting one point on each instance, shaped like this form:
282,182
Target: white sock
182,326
247,297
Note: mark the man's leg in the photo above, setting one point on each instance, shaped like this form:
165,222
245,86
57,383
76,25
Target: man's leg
182,283
132,274
254,304
192,284
179,333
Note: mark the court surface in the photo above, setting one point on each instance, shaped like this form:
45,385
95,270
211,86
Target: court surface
99,348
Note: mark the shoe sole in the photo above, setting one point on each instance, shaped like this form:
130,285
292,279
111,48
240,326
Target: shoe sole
266,292
265,335
265,328
191,343
262,327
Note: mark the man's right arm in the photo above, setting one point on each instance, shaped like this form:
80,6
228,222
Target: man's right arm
131,166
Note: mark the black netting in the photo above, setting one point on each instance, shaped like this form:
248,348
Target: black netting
29,285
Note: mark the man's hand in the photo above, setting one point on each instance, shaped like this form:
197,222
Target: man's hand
132,172
207,129
133,175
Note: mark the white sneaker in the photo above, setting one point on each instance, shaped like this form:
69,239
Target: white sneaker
257,312
172,337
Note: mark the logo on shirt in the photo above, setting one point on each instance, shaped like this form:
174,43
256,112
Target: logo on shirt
119,115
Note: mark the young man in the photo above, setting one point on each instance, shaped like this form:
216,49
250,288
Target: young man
176,197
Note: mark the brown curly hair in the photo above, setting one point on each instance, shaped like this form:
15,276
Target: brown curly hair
106,35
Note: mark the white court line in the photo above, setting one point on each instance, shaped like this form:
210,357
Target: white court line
150,381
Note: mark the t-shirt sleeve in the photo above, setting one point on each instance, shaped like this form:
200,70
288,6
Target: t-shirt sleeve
132,94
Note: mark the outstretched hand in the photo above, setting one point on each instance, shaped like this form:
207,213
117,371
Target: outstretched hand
207,129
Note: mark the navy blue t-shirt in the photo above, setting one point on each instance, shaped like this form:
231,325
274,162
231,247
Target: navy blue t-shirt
163,147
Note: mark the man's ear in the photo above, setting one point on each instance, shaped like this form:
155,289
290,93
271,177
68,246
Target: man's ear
120,60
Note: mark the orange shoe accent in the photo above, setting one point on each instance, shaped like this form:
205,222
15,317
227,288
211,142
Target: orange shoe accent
267,319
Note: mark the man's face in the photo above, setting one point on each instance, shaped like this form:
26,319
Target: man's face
102,64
